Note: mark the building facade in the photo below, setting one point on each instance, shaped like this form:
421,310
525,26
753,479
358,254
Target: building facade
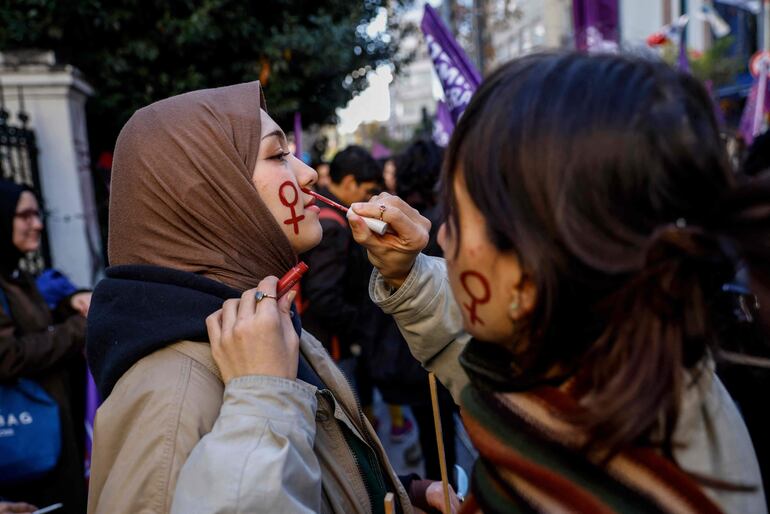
517,28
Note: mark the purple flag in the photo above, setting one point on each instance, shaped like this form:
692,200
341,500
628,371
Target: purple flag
298,135
682,63
92,403
458,76
753,118
443,126
718,114
595,23
380,151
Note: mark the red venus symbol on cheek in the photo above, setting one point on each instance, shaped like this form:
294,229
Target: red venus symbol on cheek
294,220
466,277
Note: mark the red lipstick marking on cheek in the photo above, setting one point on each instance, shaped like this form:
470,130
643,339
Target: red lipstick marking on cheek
478,278
291,204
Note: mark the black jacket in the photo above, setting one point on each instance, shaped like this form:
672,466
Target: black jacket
137,310
335,291
50,351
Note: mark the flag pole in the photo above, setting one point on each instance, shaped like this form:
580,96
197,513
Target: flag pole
759,111
440,442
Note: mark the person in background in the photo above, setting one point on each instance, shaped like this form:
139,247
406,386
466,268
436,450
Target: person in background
395,372
592,221
44,346
744,359
336,306
389,175
418,170
322,168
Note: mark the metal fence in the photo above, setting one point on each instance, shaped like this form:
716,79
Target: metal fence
18,163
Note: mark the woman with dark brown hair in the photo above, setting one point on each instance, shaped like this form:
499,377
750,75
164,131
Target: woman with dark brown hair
592,222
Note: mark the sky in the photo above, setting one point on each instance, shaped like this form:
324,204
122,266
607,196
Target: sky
373,103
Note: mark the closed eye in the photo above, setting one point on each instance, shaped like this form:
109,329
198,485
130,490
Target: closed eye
280,156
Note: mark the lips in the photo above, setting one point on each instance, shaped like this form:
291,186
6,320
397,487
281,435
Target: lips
311,206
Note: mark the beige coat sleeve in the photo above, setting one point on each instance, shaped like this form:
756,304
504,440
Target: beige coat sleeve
146,428
429,319
259,456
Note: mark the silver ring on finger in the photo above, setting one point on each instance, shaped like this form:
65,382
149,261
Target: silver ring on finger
259,295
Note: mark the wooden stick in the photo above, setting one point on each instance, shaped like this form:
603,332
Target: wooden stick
390,507
439,442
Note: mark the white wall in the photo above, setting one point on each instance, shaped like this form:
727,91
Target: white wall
639,19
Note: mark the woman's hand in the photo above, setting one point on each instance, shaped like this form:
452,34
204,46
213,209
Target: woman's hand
255,338
9,507
435,497
81,302
394,253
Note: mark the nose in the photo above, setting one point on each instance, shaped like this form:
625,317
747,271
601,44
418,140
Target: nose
306,176
37,224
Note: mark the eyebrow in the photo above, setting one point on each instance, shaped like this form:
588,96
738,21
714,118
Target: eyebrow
277,133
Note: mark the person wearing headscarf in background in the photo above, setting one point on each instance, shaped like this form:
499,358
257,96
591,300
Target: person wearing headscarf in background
212,406
44,346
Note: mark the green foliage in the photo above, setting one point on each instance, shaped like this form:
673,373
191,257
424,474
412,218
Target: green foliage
715,64
313,53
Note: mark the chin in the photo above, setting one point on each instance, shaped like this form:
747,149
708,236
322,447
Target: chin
311,239
31,247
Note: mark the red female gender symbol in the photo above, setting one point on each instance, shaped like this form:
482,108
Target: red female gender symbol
475,300
294,220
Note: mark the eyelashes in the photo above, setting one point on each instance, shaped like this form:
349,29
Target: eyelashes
280,156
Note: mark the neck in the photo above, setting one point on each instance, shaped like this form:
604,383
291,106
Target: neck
338,191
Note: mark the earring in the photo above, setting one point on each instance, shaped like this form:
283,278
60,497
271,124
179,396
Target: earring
514,306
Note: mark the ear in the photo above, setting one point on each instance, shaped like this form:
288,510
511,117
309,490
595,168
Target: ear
349,183
523,299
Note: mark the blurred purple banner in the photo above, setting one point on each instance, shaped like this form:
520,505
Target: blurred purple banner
755,111
92,403
458,76
443,126
595,24
682,62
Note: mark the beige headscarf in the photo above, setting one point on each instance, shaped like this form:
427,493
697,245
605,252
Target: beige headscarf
182,195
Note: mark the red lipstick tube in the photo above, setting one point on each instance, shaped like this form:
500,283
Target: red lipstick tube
291,278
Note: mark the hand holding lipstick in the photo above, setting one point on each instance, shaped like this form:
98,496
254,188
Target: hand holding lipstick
377,226
393,253
255,337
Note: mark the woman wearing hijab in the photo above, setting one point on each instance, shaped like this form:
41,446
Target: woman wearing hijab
206,204
36,344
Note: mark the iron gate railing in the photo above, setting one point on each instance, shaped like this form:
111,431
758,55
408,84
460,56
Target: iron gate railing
18,163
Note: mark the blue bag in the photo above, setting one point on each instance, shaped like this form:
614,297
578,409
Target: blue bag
30,428
30,432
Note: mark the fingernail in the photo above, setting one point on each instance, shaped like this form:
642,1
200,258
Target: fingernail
292,296
355,206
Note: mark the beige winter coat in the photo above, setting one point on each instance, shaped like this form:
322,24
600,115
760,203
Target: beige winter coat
270,442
